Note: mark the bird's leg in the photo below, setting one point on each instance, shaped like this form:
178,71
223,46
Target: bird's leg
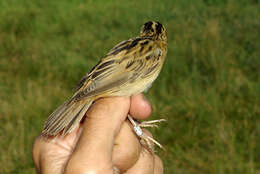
147,140
151,123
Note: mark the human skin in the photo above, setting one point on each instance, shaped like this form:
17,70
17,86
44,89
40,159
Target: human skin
104,143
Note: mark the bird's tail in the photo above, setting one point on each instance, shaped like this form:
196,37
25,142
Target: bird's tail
66,117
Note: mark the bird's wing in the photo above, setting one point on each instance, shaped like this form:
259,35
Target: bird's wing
126,62
108,61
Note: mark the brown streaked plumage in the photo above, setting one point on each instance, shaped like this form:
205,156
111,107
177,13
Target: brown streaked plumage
128,68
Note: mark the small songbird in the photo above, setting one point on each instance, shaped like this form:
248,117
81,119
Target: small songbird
129,68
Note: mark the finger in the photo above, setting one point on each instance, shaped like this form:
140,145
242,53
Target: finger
146,161
140,107
144,165
36,153
127,148
102,123
158,165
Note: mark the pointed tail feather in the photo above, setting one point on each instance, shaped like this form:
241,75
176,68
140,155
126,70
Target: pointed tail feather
66,117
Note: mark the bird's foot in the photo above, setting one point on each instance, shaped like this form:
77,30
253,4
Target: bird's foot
146,140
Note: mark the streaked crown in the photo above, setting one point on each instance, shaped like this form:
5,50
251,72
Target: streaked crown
155,30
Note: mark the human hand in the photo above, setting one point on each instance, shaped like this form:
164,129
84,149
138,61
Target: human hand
104,143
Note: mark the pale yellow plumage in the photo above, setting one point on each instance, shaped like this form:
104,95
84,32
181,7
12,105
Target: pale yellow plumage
129,68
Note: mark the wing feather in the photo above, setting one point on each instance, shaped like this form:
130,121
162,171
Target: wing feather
114,71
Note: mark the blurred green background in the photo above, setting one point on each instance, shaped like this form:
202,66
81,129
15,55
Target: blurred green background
209,89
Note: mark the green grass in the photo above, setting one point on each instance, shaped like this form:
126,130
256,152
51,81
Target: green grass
209,89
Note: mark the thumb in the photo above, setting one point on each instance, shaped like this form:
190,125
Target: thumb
95,145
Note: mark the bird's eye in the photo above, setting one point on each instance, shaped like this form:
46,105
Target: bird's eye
152,30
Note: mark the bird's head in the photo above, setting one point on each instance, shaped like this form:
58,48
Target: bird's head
155,30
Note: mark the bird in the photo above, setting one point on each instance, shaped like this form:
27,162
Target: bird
127,69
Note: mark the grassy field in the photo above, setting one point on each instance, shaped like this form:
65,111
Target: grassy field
209,89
